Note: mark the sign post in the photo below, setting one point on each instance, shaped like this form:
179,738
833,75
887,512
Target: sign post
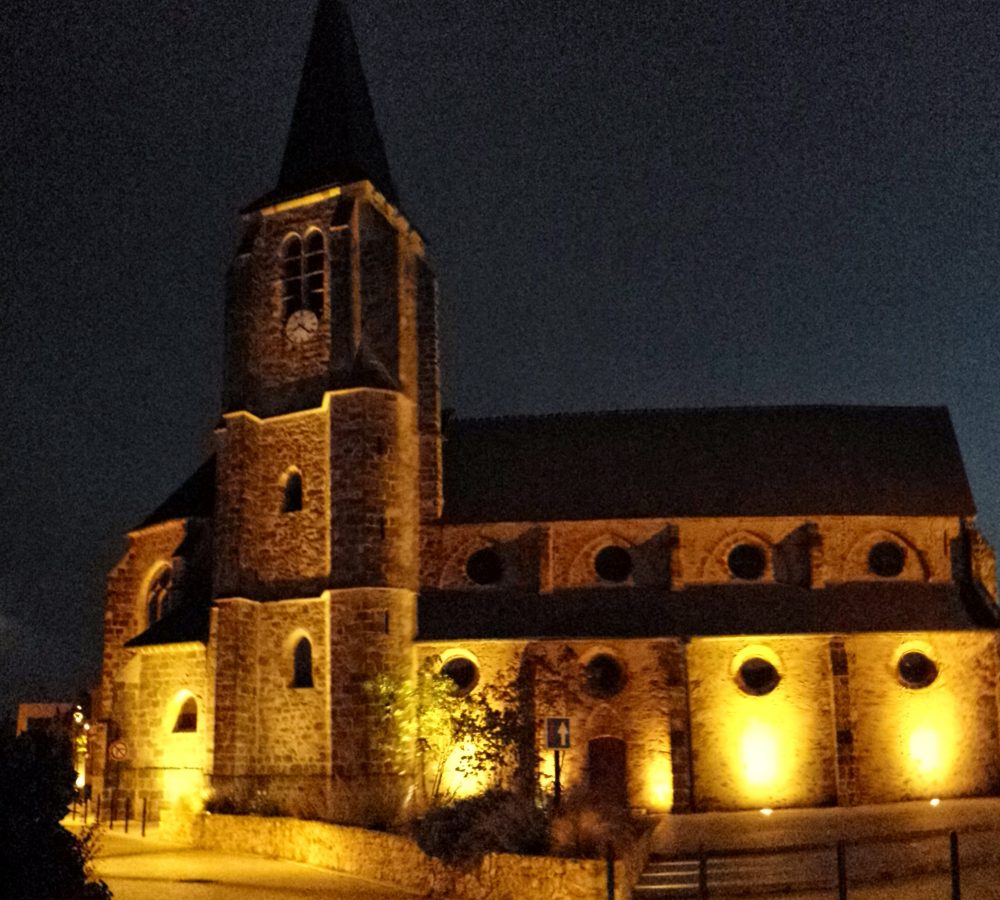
557,739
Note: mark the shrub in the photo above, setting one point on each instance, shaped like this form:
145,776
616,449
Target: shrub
496,821
585,825
38,857
243,801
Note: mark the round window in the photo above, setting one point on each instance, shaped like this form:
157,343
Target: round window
603,676
916,669
747,561
757,676
886,559
613,564
484,567
463,672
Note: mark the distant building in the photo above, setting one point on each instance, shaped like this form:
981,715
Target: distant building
43,716
68,720
738,608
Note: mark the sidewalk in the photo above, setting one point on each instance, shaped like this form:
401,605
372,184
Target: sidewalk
684,834
892,852
144,868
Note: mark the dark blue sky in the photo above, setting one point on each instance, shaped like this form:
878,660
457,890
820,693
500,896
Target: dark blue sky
630,205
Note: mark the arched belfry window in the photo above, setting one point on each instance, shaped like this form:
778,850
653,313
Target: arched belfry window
291,499
302,664
157,592
303,273
291,274
315,287
187,718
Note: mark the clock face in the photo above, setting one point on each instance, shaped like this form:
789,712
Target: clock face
301,325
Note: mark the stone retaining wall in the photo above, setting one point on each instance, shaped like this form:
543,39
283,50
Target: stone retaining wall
395,859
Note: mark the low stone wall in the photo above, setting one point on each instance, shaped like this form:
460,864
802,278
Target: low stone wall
395,859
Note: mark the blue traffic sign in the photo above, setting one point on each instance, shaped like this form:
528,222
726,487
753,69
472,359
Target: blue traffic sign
557,733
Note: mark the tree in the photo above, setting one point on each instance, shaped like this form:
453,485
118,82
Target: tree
427,725
40,859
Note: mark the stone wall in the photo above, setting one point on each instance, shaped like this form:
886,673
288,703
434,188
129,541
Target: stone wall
397,860
262,551
307,747
639,715
936,741
371,300
841,726
374,489
838,727
761,751
164,766
125,601
804,551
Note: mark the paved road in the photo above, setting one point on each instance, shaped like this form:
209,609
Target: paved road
145,869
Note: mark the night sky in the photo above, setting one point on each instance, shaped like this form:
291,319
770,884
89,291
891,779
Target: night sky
630,204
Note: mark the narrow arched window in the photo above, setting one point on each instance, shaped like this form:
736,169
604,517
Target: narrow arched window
291,500
157,592
187,718
315,273
302,662
291,274
303,273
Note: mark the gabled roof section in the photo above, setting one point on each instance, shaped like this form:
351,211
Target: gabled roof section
699,611
187,623
333,138
195,498
750,461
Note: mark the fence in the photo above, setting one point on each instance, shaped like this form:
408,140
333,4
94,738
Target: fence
116,811
805,867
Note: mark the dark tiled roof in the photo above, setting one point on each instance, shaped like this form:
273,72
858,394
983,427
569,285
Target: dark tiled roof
333,138
750,461
186,623
698,611
194,498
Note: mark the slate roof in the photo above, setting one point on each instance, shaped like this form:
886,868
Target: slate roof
334,138
194,498
185,623
704,610
747,461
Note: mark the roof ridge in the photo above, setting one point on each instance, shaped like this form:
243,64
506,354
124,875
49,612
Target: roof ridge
653,410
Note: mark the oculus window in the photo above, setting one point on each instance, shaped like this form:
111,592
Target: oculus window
613,564
916,670
603,676
886,559
757,676
746,562
484,566
462,672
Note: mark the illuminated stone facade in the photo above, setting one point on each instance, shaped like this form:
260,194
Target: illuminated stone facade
733,608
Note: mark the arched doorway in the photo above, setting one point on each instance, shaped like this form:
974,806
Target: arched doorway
606,772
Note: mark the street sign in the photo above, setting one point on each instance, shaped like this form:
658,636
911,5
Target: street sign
557,733
118,751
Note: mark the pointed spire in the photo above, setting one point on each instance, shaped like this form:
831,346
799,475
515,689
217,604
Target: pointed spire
333,138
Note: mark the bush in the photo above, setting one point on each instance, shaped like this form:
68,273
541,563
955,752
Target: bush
243,801
494,822
39,859
585,825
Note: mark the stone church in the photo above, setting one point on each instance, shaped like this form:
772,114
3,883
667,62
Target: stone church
744,607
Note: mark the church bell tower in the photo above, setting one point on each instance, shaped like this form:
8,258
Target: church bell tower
328,453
